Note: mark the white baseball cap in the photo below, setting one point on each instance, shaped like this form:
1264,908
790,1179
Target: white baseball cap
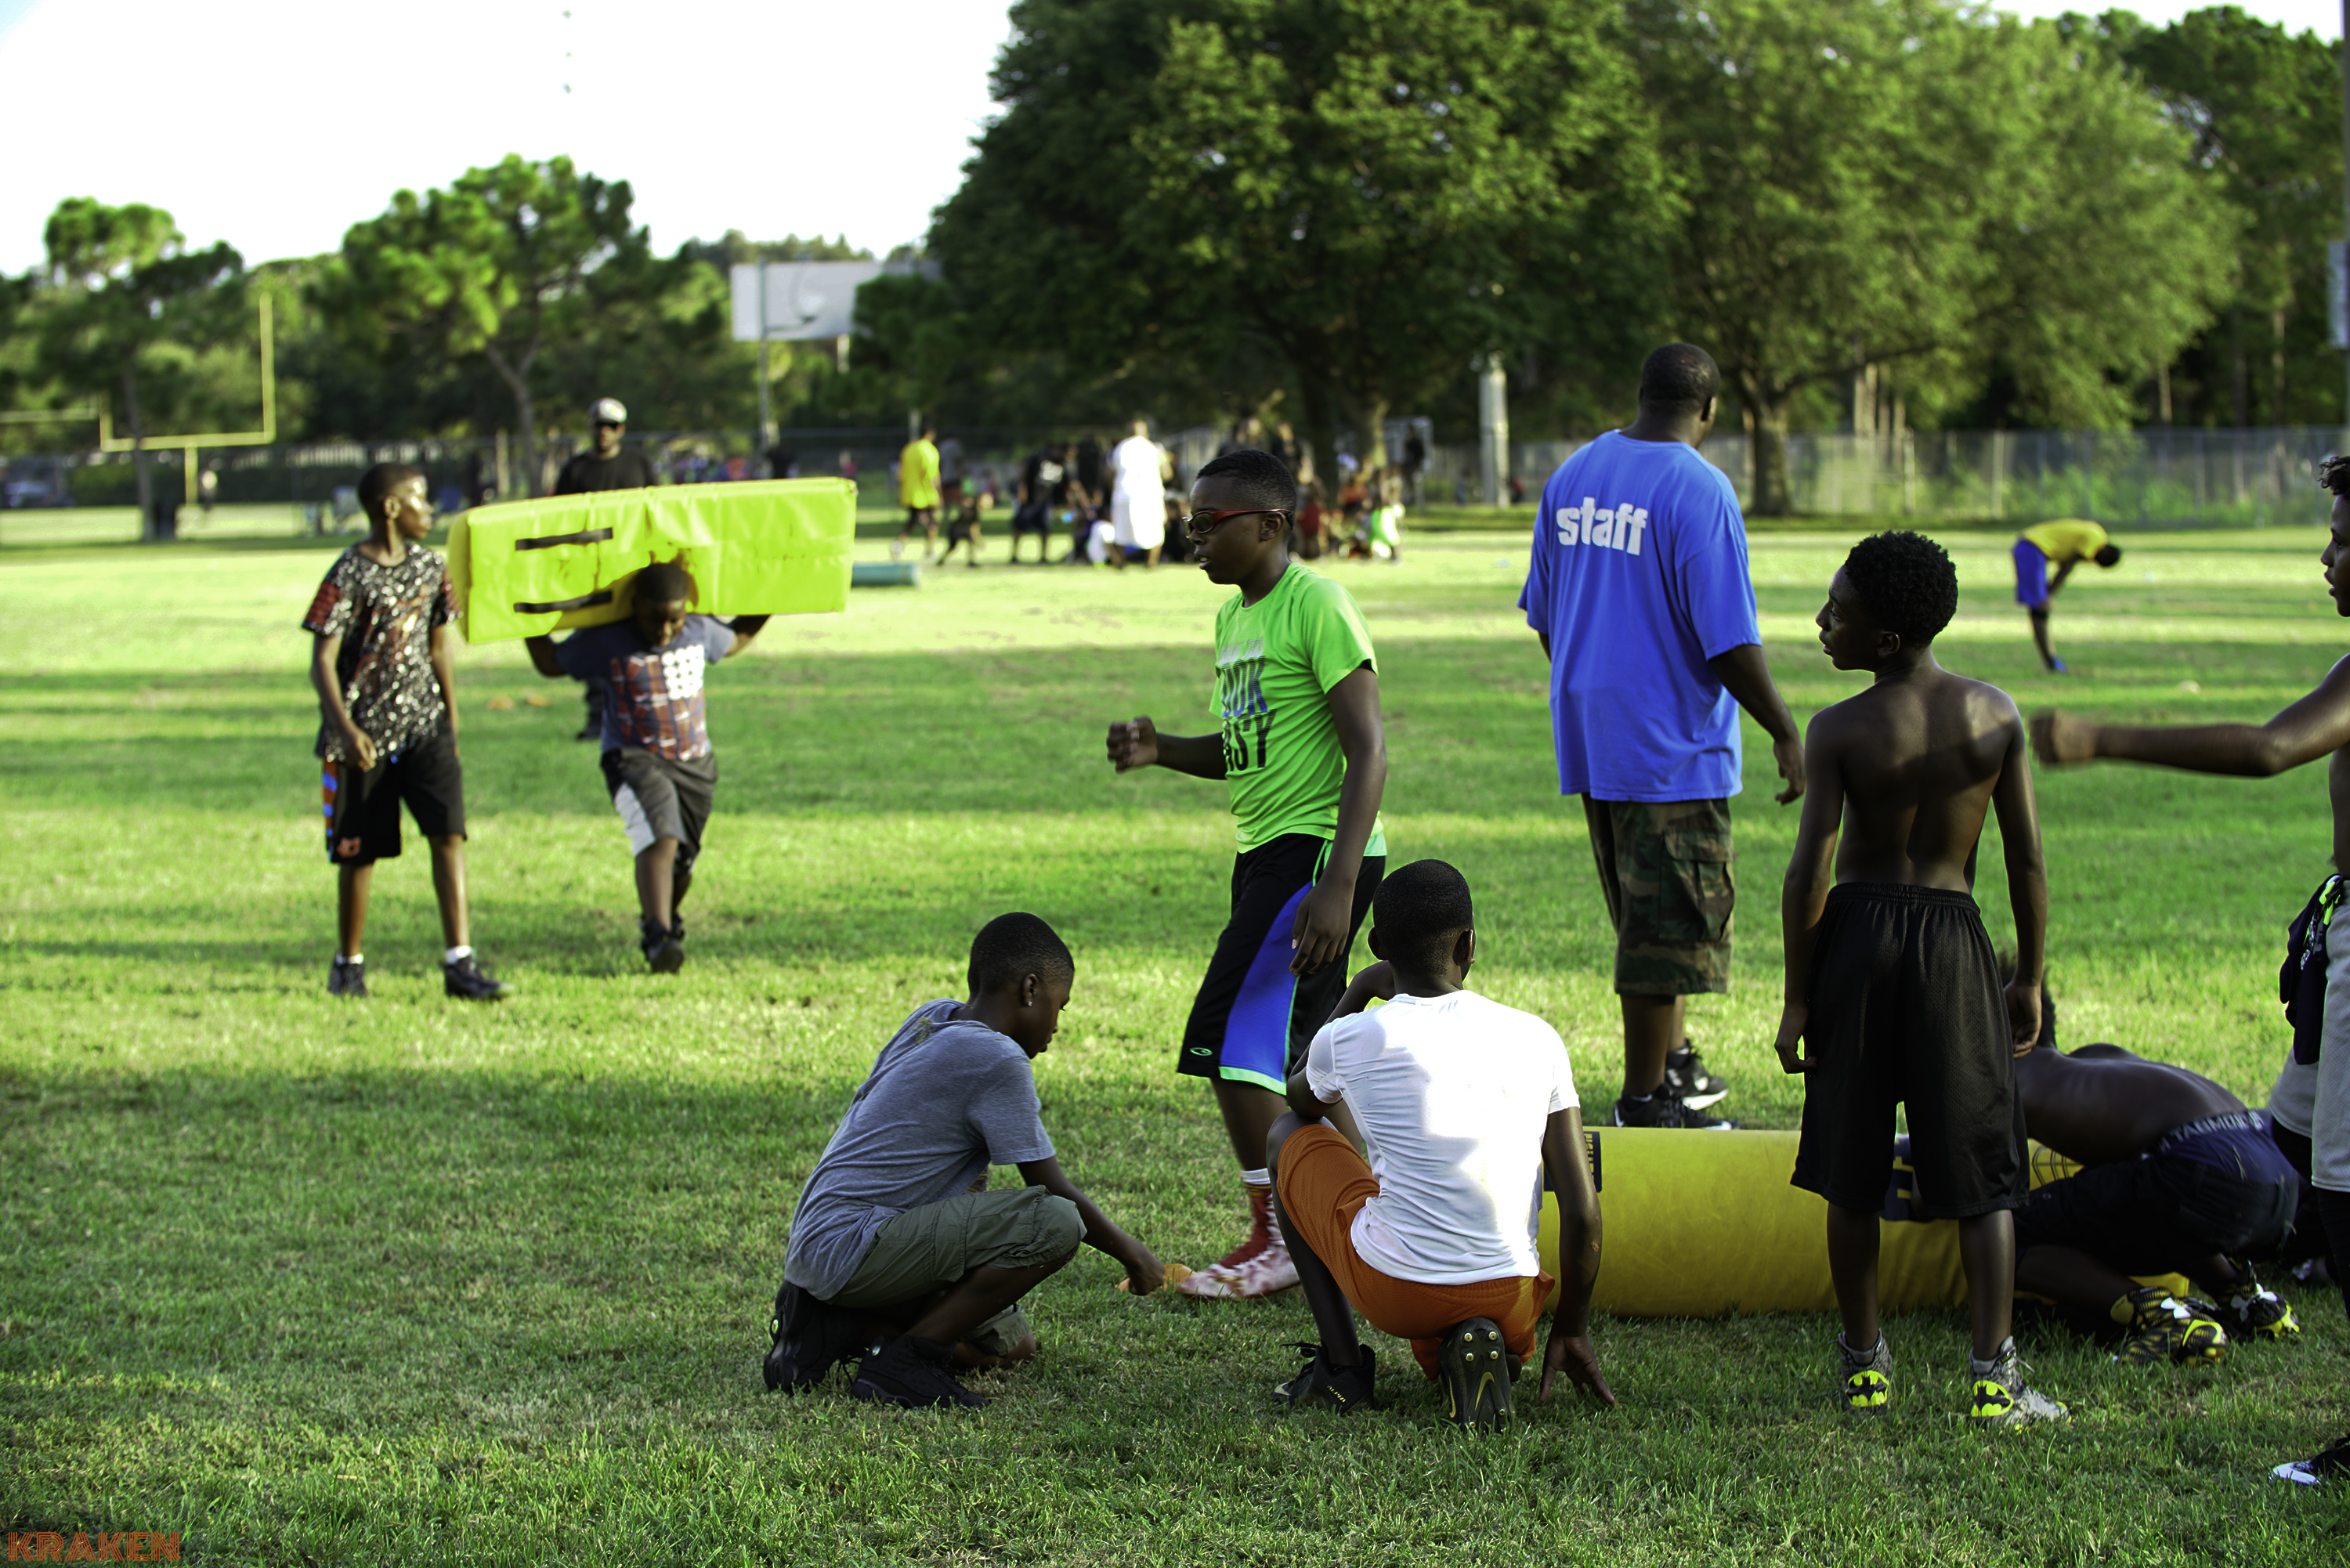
607,412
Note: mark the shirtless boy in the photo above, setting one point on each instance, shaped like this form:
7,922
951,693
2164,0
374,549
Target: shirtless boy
2181,1178
2318,725
1891,983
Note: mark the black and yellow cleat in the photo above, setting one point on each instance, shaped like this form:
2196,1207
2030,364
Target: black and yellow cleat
2168,1330
1320,1384
2249,1310
1474,1366
2000,1397
1866,1386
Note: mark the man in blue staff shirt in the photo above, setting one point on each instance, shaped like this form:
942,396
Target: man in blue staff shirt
1638,590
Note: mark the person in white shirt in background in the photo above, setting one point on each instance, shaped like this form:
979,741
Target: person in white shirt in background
1140,469
1463,1104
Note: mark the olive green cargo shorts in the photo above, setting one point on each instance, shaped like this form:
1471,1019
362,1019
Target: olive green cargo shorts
1665,868
919,1256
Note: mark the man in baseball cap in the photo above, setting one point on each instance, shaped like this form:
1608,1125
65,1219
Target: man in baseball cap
604,466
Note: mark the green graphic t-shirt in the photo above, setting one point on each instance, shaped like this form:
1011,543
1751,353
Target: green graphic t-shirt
1276,661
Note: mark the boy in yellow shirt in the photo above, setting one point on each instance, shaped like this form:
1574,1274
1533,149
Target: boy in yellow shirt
2064,543
918,491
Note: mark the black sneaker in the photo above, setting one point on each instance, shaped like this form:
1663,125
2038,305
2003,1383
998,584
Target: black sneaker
1666,1109
1685,1076
810,1338
2332,1465
347,977
1320,1385
912,1373
663,951
1474,1367
1865,1382
2249,1310
593,730
466,979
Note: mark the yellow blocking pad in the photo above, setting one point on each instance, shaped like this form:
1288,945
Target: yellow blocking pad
1704,1224
524,569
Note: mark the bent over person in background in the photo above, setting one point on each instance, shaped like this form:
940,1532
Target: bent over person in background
2318,725
1462,1103
900,1254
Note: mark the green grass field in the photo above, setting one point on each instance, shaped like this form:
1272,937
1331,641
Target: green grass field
412,1280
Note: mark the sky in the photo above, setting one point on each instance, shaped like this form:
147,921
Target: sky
276,124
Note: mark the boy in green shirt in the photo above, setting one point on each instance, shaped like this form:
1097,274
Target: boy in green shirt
1305,757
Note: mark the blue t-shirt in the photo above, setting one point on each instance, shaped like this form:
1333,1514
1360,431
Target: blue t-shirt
652,696
1639,578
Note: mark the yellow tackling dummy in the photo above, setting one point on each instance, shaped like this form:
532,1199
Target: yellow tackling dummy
766,547
1705,1224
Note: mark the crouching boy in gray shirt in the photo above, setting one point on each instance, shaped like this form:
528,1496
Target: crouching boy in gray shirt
896,1237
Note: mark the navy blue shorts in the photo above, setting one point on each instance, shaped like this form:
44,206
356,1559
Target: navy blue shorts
2218,1185
2031,575
1253,1018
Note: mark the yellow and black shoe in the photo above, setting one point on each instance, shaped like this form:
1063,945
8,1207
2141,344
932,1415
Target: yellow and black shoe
2000,1397
1473,1364
2251,1310
2168,1330
1865,1381
1319,1385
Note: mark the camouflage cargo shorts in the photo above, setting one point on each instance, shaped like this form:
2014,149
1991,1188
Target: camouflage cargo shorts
1665,868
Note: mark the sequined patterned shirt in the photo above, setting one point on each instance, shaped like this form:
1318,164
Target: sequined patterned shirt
385,616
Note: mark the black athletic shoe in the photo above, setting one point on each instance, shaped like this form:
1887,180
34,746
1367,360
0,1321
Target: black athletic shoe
810,1338
663,951
1666,1109
1474,1367
1685,1076
1320,1385
2249,1310
464,979
912,1373
591,730
347,977
2332,1465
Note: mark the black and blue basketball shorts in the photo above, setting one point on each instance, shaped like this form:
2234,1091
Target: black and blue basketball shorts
362,808
1253,1018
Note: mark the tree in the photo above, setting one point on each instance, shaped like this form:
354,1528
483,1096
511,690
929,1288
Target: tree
129,288
2264,109
1899,181
506,262
1371,191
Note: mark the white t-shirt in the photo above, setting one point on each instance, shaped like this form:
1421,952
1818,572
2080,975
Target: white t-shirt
1451,1093
1135,462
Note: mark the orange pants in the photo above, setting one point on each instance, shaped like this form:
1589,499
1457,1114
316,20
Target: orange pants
1324,1185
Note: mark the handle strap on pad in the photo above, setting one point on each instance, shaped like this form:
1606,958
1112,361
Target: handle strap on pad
554,606
548,542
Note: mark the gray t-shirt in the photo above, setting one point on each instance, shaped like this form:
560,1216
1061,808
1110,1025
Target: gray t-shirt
945,1100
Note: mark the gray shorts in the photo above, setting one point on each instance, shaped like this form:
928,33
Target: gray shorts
915,1258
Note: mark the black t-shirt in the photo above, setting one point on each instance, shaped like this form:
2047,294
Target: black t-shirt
627,469
1045,480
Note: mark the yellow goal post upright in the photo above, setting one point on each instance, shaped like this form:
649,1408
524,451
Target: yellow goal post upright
190,445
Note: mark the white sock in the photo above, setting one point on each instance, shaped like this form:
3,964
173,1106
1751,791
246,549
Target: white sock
1258,1178
454,954
355,958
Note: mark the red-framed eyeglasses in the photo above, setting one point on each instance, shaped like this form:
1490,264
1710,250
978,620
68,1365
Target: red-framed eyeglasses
1199,524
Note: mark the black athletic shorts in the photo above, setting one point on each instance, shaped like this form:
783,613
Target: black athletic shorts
2218,1185
1032,518
362,809
661,797
1253,1018
1906,1008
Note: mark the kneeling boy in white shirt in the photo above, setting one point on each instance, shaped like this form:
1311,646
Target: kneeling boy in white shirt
1462,1104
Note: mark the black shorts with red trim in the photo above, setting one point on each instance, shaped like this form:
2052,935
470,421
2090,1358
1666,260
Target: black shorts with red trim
362,808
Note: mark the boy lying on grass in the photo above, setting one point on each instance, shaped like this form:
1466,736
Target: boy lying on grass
658,764
2181,1178
1461,1102
1891,983
897,1237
